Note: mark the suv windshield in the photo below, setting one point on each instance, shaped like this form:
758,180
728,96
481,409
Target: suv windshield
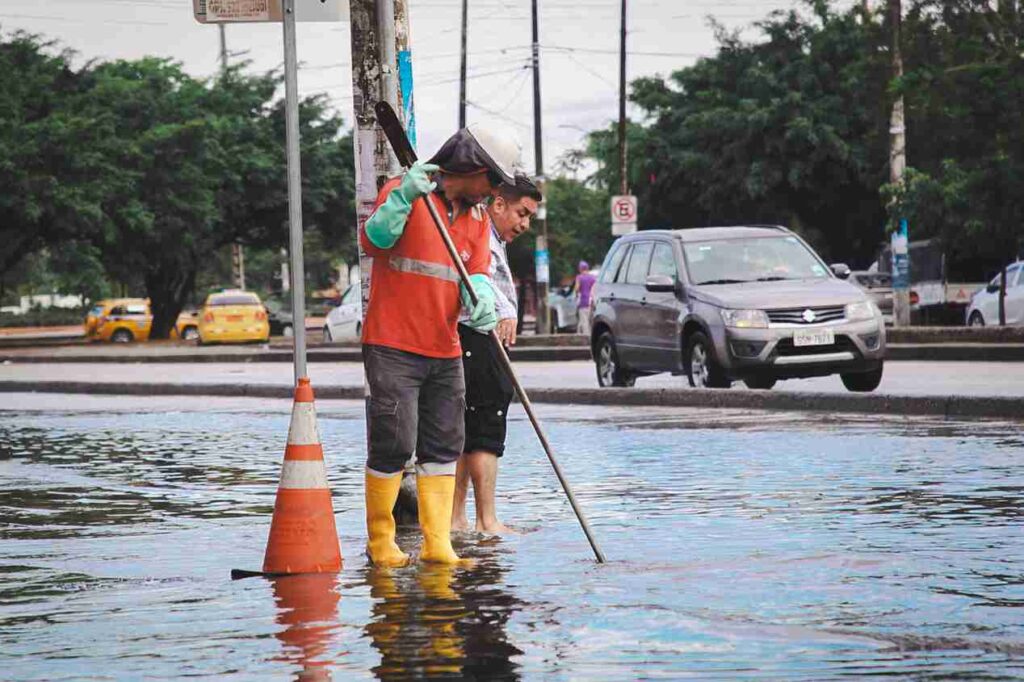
755,259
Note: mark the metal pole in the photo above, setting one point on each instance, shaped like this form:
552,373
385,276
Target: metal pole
237,252
462,67
897,170
291,107
541,254
623,178
223,49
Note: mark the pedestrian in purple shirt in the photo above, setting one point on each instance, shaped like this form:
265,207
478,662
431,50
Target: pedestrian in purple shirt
581,289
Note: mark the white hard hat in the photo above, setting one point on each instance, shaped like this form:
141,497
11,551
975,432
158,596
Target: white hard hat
501,145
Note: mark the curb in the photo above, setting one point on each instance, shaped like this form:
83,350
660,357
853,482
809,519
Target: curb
528,354
935,406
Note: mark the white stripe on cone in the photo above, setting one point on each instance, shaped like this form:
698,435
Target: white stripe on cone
303,429
303,474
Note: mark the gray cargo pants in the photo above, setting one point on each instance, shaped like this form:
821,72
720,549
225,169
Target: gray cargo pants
416,404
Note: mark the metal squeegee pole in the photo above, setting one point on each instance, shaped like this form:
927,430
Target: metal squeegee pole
520,391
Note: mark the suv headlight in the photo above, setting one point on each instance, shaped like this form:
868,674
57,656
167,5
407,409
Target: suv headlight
745,319
861,310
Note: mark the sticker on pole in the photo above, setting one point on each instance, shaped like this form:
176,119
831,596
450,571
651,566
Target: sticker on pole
258,11
624,211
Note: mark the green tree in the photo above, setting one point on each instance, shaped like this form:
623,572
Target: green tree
964,86
204,166
790,129
53,174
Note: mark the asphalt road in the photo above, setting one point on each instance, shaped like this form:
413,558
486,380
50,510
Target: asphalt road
991,379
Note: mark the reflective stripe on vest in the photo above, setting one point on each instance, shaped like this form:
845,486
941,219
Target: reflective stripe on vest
422,267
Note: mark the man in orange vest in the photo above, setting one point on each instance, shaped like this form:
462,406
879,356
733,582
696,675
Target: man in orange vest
411,350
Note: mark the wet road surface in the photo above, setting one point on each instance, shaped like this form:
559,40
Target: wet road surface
741,545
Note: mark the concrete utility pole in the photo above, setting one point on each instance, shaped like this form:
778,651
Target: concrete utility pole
462,67
381,70
237,254
897,171
623,176
541,255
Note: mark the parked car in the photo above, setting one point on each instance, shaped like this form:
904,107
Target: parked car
187,325
731,303
562,305
121,320
279,315
878,286
344,322
984,306
233,316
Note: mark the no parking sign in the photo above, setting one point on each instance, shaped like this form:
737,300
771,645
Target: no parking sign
623,210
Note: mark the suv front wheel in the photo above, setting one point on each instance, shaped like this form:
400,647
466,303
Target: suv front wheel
702,369
609,371
862,382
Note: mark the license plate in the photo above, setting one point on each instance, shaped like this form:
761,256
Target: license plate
814,337
235,318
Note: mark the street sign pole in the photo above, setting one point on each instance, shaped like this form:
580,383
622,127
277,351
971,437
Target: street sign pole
291,107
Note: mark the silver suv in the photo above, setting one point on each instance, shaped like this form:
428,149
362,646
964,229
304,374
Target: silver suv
731,303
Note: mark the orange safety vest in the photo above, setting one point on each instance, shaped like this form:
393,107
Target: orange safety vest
414,287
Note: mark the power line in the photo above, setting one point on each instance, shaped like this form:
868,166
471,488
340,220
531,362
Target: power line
41,17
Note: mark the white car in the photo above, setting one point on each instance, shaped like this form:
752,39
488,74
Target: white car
345,322
984,307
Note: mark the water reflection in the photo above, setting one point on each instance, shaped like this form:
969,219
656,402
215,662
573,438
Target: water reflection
743,545
307,609
441,621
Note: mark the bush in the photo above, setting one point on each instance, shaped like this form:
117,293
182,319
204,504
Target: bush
44,317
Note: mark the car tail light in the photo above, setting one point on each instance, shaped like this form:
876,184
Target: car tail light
208,317
914,298
261,315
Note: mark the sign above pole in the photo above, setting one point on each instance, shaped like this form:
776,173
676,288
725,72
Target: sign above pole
259,11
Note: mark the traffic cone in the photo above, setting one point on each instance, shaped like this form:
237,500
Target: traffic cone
303,537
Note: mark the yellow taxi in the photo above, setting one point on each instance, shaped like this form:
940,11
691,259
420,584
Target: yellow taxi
187,326
121,320
233,316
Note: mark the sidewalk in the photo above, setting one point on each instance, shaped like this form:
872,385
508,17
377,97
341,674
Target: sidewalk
992,390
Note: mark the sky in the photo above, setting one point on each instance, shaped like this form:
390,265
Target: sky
579,53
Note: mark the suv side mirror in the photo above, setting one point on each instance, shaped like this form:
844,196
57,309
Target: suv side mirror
992,288
657,283
840,270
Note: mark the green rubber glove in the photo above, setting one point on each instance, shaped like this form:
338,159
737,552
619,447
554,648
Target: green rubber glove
484,317
387,223
416,182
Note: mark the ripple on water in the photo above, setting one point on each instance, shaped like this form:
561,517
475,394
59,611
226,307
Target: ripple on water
740,546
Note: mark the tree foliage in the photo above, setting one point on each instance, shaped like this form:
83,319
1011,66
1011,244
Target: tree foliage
156,170
793,128
965,91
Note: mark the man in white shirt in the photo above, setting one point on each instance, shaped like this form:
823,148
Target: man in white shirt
488,389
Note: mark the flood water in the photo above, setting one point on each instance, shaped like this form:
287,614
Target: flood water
740,546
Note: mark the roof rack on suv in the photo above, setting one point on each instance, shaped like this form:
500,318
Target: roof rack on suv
769,227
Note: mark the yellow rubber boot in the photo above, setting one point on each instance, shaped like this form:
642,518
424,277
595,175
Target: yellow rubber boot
381,494
434,498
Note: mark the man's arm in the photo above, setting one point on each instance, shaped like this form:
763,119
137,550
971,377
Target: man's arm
394,204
